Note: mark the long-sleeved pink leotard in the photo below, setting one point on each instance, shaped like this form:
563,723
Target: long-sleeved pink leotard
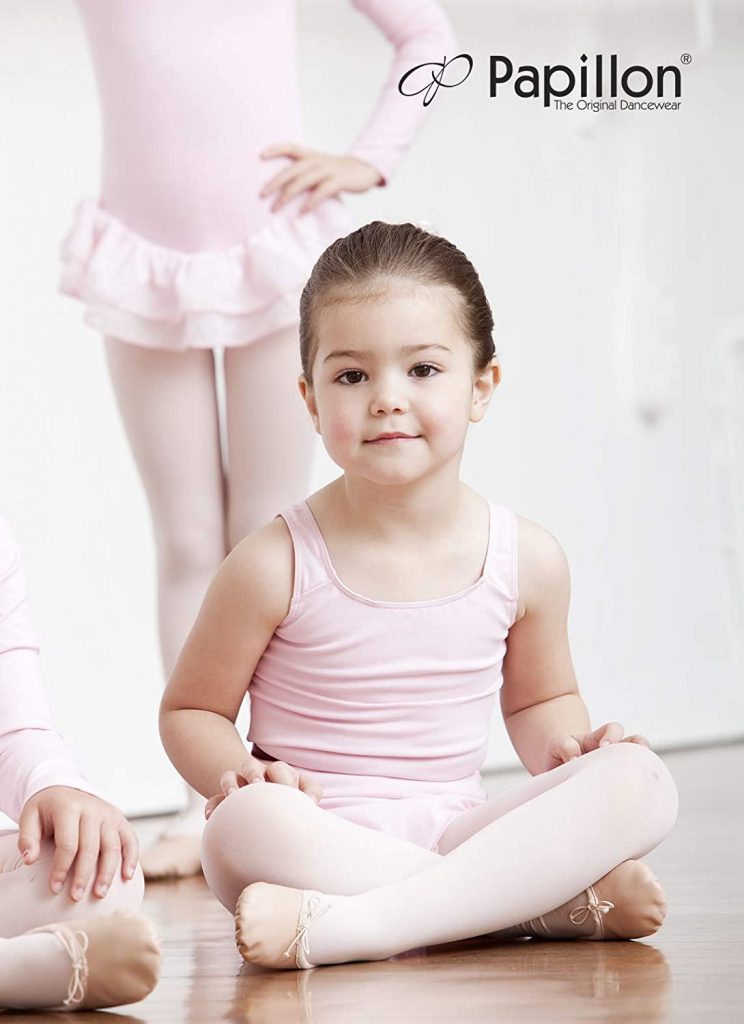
181,251
33,755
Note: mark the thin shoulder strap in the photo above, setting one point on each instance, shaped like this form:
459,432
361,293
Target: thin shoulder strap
501,561
309,550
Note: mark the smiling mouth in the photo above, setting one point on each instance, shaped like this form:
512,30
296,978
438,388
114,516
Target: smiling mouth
392,440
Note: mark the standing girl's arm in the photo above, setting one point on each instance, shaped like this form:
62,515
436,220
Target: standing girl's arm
545,716
245,602
420,34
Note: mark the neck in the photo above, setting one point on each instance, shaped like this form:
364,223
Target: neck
424,507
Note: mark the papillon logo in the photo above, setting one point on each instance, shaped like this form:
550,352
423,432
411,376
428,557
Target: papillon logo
426,78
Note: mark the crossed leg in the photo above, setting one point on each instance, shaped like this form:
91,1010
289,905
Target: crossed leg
512,859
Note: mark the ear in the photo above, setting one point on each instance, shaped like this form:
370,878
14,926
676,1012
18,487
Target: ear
308,397
483,388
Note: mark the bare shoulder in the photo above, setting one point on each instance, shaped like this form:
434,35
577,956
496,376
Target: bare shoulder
543,567
260,570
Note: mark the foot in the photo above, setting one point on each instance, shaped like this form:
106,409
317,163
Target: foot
626,903
272,922
172,857
114,959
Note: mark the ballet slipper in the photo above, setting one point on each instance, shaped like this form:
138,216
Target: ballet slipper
172,857
626,903
115,959
265,918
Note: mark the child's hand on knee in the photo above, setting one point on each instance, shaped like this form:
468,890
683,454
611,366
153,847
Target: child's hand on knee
91,838
252,770
564,747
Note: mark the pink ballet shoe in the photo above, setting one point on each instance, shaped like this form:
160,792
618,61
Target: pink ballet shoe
115,959
626,903
261,914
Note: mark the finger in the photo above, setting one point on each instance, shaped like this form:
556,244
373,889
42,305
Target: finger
29,834
291,149
278,180
129,850
298,184
612,732
311,787
565,748
214,801
637,738
253,770
325,190
228,783
283,773
108,860
65,848
89,847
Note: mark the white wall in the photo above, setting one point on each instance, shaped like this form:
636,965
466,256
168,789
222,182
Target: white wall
608,244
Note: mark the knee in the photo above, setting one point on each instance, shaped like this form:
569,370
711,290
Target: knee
248,833
190,550
641,781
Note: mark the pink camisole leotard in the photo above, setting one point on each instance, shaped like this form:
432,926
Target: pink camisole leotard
387,704
180,250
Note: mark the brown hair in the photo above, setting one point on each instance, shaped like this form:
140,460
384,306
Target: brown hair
363,261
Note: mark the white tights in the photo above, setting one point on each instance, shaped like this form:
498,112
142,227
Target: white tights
168,403
522,854
26,900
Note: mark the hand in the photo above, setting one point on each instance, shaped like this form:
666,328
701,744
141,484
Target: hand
254,771
323,174
84,829
566,748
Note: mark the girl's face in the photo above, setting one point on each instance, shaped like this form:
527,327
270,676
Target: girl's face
396,363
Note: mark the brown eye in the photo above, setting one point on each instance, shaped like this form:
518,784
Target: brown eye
349,373
424,366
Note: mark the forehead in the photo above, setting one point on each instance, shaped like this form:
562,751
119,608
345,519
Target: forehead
392,316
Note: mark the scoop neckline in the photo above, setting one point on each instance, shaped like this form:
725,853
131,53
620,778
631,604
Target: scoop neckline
401,604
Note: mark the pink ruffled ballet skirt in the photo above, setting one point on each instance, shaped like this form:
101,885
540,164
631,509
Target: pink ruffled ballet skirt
180,250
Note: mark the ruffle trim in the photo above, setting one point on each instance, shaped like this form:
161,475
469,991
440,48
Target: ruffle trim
158,297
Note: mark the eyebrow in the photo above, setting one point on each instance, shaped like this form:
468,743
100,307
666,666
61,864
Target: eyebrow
408,350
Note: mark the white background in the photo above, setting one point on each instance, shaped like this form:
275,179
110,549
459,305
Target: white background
609,245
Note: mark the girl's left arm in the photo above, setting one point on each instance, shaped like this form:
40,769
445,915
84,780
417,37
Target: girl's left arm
545,716
420,34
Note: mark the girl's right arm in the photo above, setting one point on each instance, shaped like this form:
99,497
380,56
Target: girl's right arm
245,602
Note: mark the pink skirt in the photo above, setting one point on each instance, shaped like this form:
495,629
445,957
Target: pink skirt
157,297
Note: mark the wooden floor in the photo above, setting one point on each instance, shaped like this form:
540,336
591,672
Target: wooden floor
692,970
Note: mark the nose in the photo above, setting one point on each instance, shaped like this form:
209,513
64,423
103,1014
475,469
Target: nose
388,397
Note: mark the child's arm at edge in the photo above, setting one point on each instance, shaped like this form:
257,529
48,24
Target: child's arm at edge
245,602
540,697
545,716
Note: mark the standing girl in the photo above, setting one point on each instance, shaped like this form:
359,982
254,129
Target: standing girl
374,624
197,243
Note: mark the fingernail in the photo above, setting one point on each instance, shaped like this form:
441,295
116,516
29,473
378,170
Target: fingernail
102,890
129,870
77,894
56,887
604,743
256,780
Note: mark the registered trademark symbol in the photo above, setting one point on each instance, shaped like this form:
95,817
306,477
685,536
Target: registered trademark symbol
686,58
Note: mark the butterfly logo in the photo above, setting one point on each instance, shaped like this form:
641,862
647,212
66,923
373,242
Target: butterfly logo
426,78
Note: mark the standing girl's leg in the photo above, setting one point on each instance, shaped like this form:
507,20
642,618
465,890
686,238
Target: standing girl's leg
270,436
604,808
168,404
